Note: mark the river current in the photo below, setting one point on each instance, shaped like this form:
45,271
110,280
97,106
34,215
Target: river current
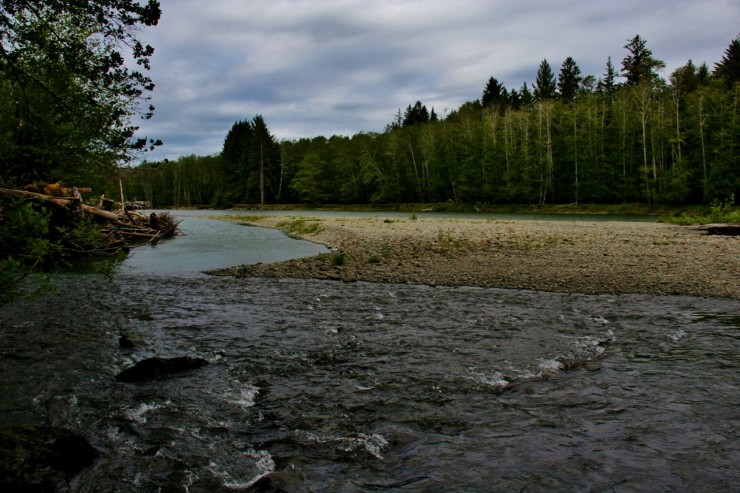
363,387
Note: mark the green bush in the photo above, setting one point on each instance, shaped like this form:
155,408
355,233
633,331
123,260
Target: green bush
299,227
337,260
30,243
717,213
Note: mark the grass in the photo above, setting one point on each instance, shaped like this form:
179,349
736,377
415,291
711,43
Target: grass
300,227
240,219
715,214
338,259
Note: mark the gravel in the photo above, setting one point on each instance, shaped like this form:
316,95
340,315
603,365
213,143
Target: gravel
563,256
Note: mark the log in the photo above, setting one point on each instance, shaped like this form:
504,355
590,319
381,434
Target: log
720,229
126,225
66,203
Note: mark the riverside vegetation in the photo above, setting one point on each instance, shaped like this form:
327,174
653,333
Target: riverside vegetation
626,136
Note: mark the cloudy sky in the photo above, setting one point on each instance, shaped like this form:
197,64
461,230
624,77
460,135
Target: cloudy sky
326,67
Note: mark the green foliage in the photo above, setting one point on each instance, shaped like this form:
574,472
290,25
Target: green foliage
300,227
646,140
25,235
569,80
25,245
545,86
717,213
415,115
29,243
639,65
728,69
66,96
338,259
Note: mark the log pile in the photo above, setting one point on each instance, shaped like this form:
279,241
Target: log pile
120,229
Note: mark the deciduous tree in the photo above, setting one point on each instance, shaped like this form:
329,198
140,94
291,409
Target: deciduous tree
63,73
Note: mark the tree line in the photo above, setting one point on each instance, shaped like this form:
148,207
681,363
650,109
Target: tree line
626,136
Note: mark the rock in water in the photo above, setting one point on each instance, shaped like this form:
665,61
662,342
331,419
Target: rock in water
279,482
41,458
126,342
151,368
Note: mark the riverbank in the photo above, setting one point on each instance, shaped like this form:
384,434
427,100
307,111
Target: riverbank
560,256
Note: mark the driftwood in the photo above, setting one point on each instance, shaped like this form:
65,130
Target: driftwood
720,229
121,229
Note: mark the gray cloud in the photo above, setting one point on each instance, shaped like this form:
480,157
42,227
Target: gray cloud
324,67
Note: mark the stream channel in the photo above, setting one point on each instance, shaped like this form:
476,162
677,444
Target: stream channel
327,386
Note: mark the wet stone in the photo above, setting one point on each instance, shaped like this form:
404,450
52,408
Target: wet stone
41,458
156,367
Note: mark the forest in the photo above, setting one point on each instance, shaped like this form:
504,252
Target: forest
628,136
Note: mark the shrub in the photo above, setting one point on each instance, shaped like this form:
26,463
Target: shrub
337,259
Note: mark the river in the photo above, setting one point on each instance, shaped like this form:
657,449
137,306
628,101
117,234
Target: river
360,387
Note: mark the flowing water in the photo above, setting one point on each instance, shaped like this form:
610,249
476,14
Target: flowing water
374,387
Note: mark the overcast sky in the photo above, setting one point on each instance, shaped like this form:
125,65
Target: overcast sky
326,67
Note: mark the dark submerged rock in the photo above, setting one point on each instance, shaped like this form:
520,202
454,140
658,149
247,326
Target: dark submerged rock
41,458
155,367
279,482
126,342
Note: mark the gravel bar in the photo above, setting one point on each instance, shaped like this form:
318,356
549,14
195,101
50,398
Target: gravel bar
563,256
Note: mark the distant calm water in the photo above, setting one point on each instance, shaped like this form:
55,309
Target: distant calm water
374,387
206,244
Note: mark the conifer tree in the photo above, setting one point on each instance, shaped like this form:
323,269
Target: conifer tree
728,69
639,64
569,80
526,95
609,82
494,95
415,114
545,86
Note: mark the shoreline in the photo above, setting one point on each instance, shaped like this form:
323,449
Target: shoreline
560,256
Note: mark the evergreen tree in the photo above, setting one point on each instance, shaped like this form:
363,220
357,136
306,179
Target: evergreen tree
237,141
728,69
515,99
685,79
415,114
639,64
545,86
609,82
251,163
526,95
703,74
266,162
494,95
569,80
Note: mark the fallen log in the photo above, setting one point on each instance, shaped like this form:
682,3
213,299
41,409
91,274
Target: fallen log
119,228
720,229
